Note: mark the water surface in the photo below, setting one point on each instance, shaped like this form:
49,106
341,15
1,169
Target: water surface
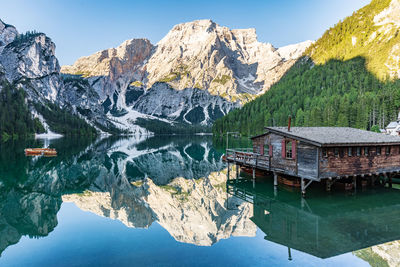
166,201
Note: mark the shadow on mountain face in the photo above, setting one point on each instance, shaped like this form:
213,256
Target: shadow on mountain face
337,93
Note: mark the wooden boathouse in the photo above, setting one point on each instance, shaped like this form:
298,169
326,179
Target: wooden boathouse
322,154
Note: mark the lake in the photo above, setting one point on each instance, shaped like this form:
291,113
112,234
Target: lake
167,201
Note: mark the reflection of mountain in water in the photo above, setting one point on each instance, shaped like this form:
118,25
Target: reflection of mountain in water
174,181
164,158
323,226
135,181
192,211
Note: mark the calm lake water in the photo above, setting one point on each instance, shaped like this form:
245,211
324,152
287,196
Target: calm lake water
166,201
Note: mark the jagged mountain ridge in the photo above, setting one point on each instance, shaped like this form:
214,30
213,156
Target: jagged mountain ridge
197,73
114,88
200,54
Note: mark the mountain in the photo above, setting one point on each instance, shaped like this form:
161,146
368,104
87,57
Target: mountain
199,54
197,73
30,81
348,77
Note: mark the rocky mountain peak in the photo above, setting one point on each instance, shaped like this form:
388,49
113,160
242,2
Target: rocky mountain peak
7,34
197,73
204,25
200,54
113,61
229,63
32,56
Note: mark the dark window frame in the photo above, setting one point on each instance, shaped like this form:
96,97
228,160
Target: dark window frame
336,152
266,149
289,152
378,150
388,150
341,152
324,152
350,151
366,151
358,151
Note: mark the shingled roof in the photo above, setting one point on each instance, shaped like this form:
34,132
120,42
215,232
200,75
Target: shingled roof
335,136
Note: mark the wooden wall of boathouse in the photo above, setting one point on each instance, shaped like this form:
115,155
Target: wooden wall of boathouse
304,161
344,164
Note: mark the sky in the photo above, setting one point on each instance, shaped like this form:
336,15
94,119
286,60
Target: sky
83,27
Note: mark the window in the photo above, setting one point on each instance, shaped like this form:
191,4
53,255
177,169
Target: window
325,152
388,150
358,151
366,151
341,152
378,150
289,152
336,151
350,151
266,149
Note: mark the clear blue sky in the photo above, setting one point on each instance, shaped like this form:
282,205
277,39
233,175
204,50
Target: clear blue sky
82,27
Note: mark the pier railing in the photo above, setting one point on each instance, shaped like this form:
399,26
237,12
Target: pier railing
245,156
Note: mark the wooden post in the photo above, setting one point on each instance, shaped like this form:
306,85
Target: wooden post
254,177
237,172
355,183
385,179
390,180
303,189
228,174
275,179
328,185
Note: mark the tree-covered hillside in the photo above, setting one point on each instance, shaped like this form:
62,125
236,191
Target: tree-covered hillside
16,119
367,34
338,93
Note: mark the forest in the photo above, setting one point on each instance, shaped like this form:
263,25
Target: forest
63,121
337,93
16,120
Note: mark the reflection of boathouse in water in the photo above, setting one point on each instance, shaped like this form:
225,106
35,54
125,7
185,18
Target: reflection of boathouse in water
323,226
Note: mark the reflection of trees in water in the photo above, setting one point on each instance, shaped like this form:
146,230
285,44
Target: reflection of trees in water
323,225
31,188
